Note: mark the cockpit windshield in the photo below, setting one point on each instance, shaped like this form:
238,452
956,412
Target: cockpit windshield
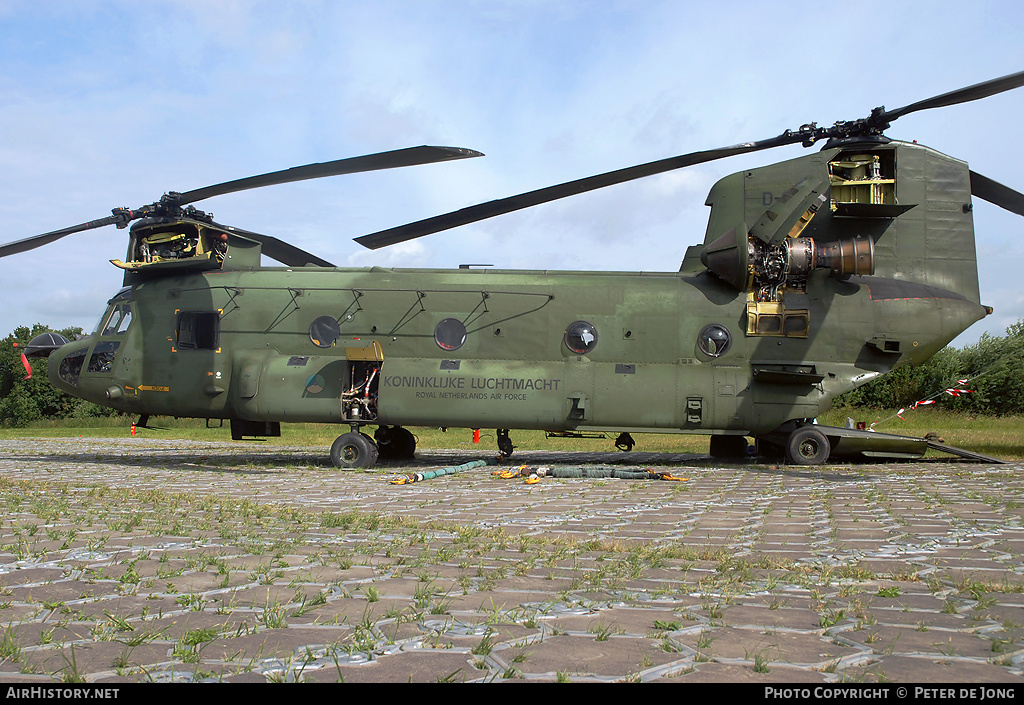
118,316
118,321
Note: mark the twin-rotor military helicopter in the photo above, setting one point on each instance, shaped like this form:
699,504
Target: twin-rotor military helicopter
816,275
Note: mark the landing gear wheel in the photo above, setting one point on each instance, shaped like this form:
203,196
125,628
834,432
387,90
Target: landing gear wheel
354,450
767,449
384,437
405,443
728,447
395,443
807,446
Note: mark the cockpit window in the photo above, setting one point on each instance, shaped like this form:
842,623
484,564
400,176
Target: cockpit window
71,366
102,359
118,321
118,316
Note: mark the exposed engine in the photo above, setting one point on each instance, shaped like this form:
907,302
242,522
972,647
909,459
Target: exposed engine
787,263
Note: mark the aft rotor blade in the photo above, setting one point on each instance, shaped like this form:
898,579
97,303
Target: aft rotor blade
996,193
30,243
410,156
279,250
490,209
963,95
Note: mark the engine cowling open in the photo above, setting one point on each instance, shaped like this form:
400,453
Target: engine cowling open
749,264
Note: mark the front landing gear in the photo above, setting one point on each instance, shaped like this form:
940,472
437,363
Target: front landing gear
354,450
395,443
358,450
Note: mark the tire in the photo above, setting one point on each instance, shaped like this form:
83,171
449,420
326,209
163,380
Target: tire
767,449
807,446
728,447
405,443
384,437
354,450
395,443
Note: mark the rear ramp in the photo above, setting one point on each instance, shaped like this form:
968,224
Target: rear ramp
852,442
952,450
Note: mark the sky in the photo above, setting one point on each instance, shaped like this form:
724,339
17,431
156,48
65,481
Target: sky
106,104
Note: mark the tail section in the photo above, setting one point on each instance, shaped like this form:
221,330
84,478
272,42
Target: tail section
912,202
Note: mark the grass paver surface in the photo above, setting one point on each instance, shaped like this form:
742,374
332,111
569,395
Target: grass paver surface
166,560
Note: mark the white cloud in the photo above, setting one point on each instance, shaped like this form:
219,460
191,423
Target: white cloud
110,104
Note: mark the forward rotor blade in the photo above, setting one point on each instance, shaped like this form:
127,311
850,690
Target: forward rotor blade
30,243
490,209
279,250
962,95
996,193
410,156
285,253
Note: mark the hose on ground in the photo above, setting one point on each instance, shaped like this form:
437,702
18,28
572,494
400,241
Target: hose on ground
534,475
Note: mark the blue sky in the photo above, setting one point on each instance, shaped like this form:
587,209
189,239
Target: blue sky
106,104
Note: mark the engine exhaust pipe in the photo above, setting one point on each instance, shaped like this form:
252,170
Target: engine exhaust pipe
853,256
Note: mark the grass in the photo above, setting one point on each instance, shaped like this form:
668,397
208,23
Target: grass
998,436
324,435
1001,437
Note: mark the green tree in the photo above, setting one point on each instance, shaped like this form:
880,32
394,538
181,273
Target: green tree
993,369
23,401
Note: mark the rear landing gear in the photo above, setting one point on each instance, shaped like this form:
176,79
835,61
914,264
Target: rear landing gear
728,447
799,442
807,446
766,449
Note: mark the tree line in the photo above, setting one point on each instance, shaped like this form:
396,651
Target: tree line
984,378
992,370
25,401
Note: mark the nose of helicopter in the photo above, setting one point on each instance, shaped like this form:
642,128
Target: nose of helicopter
83,369
86,369
65,365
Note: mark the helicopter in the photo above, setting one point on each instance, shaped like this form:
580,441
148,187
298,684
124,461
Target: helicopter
815,276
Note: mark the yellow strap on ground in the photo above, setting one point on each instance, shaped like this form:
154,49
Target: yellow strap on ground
532,480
